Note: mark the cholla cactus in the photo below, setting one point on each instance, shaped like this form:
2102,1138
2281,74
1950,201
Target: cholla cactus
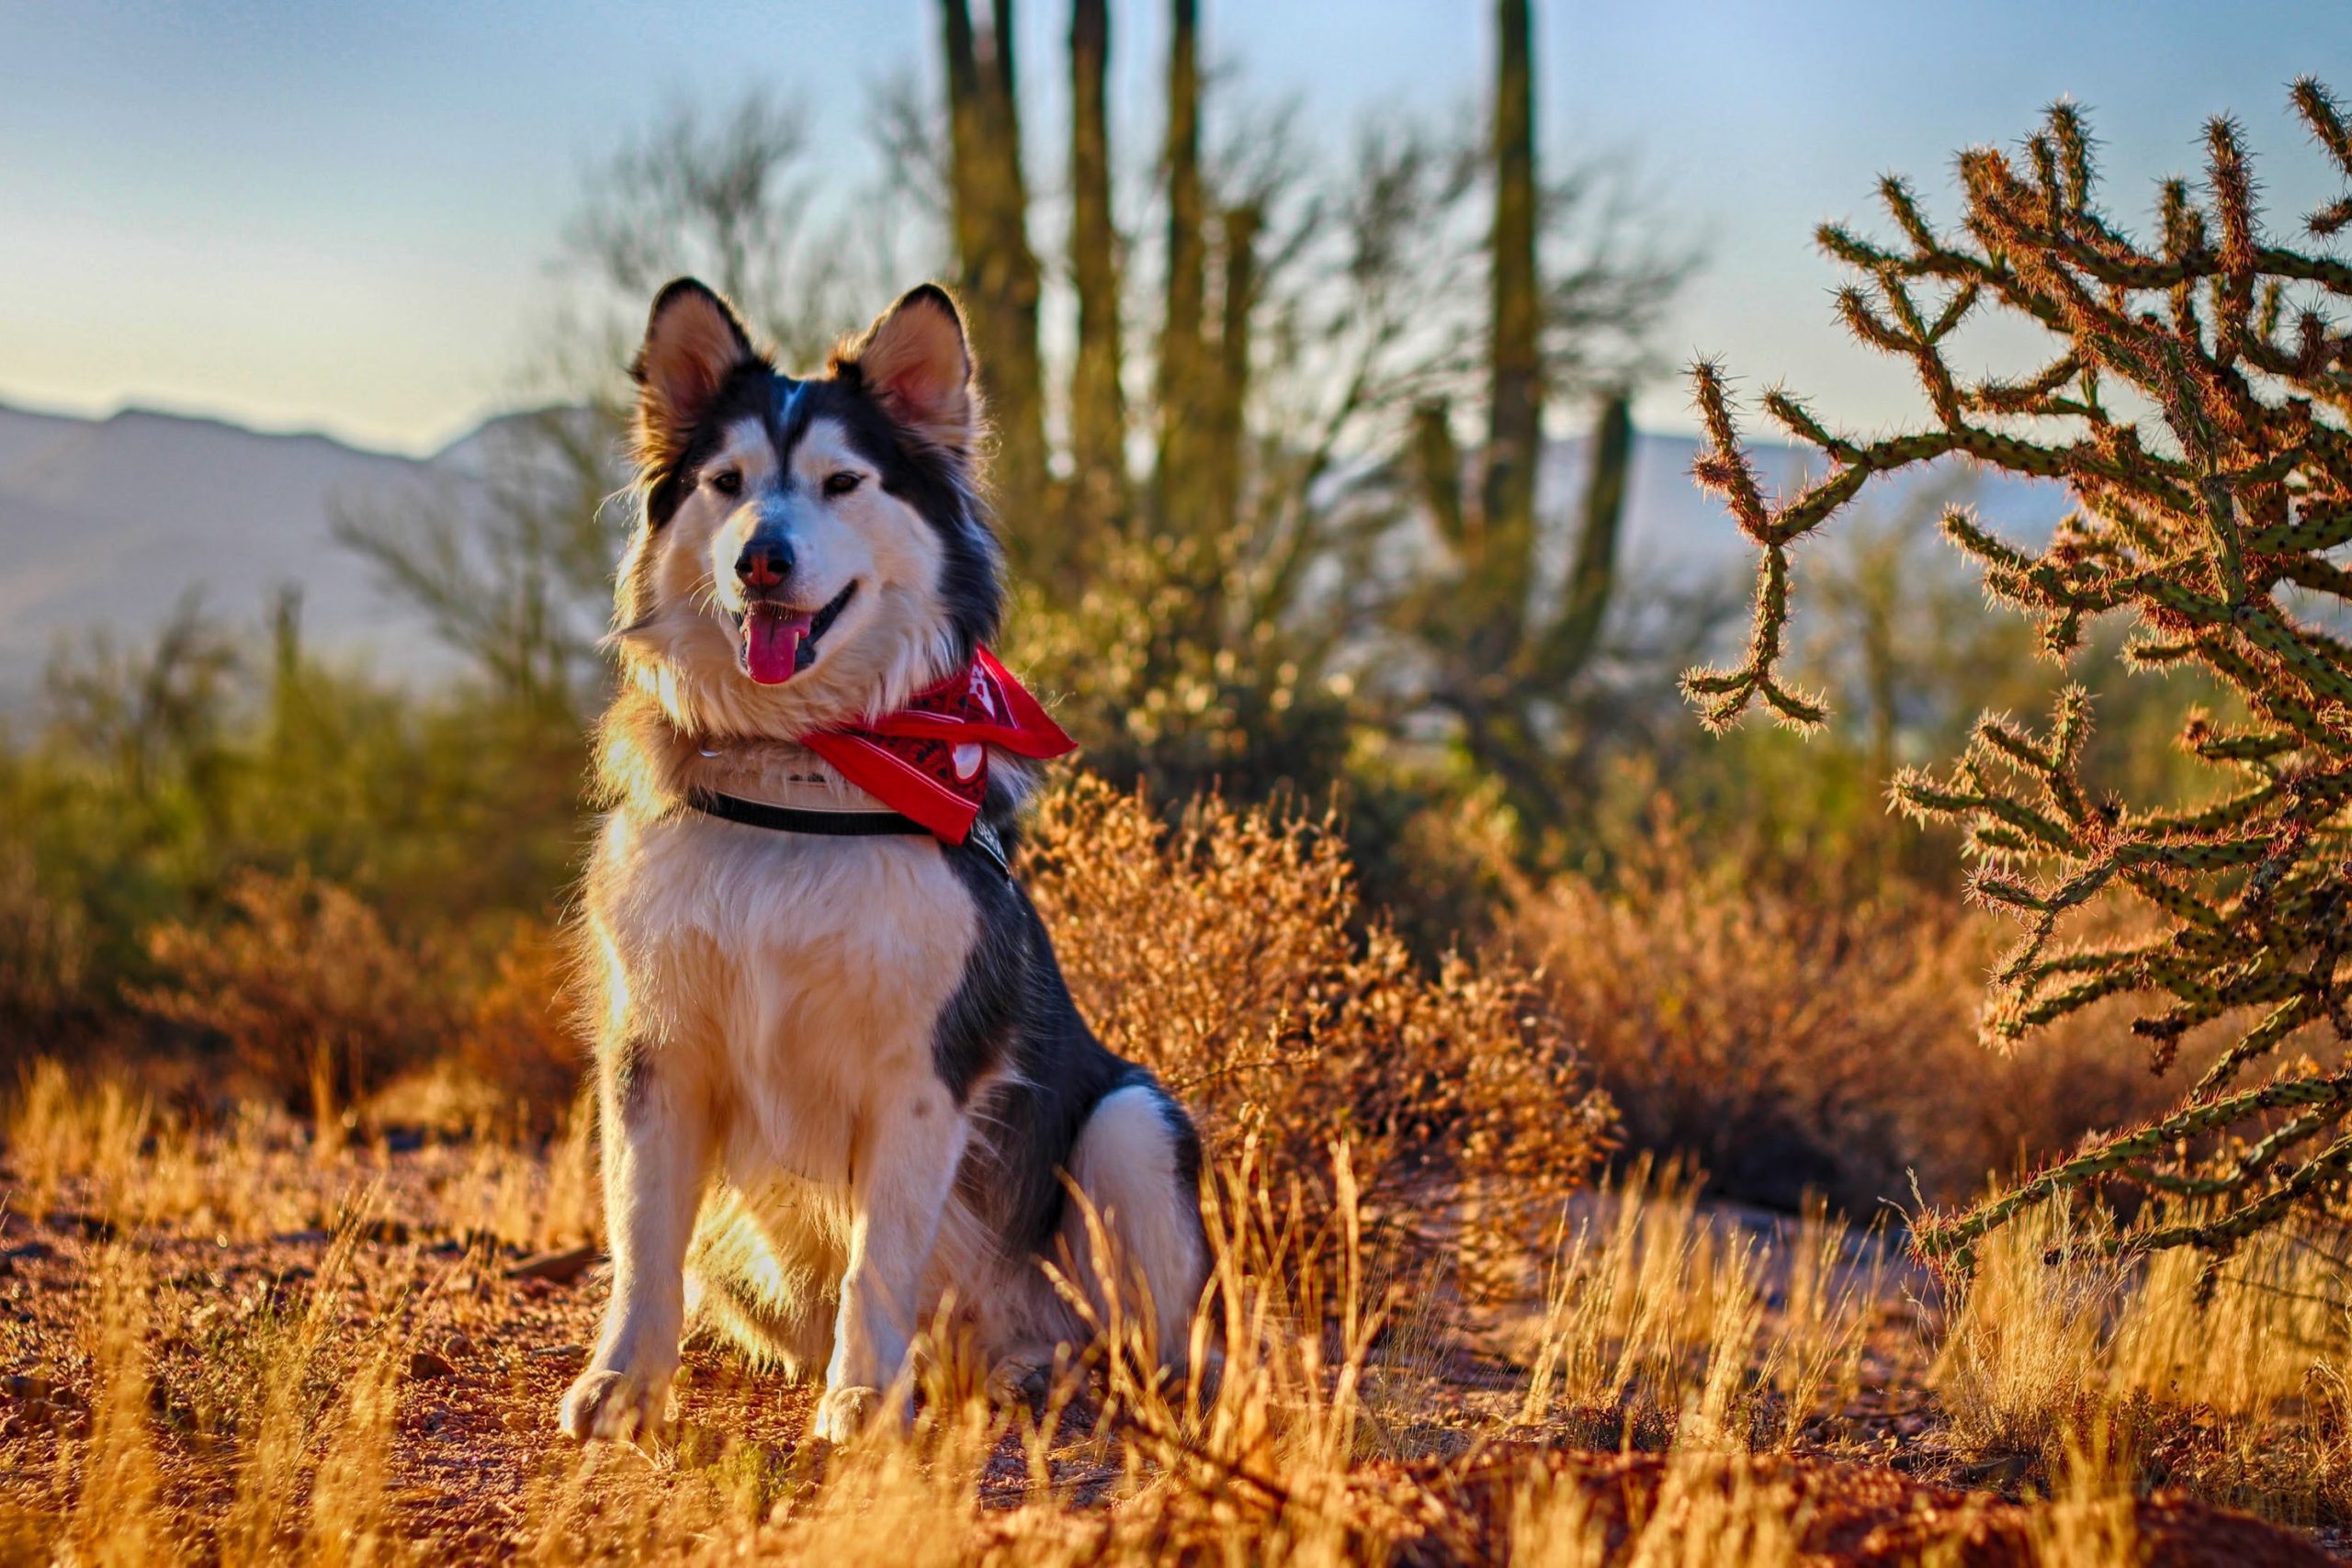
2210,527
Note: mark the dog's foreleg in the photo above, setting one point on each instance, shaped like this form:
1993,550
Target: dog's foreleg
657,1132
902,1174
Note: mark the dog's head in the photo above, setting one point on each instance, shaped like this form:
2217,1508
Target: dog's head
812,550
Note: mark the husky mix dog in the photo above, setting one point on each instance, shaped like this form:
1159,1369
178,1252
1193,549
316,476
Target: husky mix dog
845,1094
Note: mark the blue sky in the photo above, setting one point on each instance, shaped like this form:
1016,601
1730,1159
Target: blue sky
339,217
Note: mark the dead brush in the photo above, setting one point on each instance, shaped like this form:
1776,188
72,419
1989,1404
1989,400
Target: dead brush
118,1518
1788,1039
1224,953
315,997
517,1032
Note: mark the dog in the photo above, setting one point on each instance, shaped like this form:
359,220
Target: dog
844,1093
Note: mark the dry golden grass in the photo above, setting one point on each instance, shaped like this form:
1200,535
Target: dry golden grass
1655,1314
376,1389
2232,1383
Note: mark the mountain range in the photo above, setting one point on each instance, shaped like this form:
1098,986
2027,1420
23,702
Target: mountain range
106,524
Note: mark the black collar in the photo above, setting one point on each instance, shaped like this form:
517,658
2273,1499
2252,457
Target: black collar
836,824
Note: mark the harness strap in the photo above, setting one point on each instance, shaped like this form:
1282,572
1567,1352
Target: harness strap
837,824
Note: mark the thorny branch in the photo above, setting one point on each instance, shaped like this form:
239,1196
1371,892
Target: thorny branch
2208,529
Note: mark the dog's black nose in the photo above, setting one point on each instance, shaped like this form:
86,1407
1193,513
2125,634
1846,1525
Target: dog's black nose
764,563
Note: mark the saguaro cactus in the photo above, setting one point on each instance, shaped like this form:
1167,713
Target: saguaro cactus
988,201
1498,669
1180,491
2210,530
1098,413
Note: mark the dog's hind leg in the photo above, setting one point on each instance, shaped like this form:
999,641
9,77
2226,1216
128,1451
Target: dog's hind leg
658,1141
1137,1162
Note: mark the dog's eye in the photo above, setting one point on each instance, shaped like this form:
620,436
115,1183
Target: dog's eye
842,483
727,482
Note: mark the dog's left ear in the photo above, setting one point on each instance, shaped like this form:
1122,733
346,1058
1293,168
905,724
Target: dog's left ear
915,362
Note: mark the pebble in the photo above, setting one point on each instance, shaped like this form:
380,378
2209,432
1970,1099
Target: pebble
425,1364
561,1355
457,1347
560,1267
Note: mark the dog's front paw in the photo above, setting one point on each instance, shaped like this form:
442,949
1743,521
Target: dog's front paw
844,1413
614,1404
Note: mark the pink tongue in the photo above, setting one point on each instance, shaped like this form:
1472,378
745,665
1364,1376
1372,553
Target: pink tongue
772,646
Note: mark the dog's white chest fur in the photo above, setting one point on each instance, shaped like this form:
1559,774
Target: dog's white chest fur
806,973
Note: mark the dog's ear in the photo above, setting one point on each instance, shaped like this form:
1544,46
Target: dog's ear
692,343
914,361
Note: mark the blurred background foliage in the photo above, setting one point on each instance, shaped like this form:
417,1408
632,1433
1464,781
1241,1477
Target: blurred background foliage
1269,407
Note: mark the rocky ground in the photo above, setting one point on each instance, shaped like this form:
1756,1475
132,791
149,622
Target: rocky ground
486,1334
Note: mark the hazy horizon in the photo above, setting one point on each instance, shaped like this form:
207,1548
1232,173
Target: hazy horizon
340,221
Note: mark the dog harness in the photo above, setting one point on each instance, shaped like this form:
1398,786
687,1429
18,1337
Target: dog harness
927,763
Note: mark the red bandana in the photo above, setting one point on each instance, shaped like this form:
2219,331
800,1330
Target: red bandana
929,760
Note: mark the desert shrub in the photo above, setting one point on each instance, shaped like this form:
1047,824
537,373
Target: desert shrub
518,1033
1790,1037
147,779
43,950
2195,401
1223,952
311,994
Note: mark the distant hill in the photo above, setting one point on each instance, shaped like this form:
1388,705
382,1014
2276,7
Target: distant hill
106,522
1676,533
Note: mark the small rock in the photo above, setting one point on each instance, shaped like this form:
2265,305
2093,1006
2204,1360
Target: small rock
458,1348
1998,1474
425,1364
24,1388
565,1356
558,1268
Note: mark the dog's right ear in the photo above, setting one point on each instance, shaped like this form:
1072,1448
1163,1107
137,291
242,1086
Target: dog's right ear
692,343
